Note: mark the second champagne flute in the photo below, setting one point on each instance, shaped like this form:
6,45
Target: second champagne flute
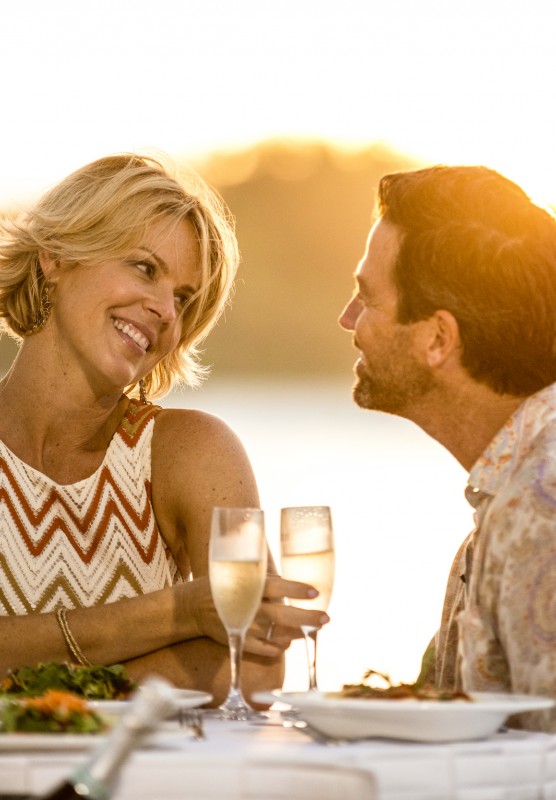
237,572
307,555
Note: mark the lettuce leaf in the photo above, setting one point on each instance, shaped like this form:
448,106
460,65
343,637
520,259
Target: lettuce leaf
93,683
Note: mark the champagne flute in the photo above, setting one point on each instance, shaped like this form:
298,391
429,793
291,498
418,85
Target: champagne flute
307,555
237,573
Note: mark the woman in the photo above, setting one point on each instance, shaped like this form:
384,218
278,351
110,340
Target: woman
111,282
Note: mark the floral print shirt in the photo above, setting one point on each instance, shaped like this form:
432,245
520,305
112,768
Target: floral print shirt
498,629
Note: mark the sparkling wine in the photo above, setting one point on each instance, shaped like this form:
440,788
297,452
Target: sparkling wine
316,569
238,554
237,589
307,555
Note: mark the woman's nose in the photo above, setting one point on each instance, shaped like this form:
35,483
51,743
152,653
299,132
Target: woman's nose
162,303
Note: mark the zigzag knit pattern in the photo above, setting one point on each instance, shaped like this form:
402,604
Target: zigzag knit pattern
91,542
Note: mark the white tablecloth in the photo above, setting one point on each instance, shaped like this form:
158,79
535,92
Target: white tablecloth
242,761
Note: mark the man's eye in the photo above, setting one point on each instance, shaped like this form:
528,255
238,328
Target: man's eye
366,302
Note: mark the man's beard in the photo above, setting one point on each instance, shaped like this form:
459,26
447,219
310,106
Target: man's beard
394,390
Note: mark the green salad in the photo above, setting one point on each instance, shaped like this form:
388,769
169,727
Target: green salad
53,712
92,683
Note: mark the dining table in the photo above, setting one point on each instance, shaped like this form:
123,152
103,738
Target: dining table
270,759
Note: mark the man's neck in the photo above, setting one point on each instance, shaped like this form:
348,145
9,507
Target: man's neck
466,422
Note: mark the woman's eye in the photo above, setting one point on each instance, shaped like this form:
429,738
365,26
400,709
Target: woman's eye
146,267
181,300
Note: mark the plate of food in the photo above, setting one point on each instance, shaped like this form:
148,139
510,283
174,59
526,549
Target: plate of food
108,690
58,720
52,713
55,705
406,711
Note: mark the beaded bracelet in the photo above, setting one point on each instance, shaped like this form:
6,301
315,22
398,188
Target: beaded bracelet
72,645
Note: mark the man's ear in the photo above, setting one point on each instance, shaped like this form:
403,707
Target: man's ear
443,340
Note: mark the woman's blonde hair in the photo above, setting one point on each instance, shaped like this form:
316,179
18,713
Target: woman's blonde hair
101,211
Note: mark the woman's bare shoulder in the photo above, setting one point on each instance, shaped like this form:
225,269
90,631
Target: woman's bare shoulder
191,428
195,441
198,461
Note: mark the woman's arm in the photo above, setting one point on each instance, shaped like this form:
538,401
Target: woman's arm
204,665
108,633
152,633
197,463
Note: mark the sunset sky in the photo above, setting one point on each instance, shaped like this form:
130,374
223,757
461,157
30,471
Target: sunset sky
468,83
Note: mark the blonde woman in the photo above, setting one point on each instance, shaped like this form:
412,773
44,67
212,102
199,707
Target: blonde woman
111,282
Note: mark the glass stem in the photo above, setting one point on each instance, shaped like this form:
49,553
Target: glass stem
311,645
236,650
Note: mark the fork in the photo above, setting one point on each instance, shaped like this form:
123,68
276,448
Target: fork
192,719
292,719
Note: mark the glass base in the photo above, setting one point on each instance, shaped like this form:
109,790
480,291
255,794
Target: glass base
235,708
249,715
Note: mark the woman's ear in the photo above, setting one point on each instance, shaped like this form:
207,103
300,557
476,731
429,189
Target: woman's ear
49,265
443,338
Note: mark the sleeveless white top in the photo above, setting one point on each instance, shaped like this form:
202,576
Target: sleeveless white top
91,542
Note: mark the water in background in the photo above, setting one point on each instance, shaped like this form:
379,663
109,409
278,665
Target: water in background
398,510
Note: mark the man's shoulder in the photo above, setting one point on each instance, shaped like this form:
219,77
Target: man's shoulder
529,493
537,437
539,410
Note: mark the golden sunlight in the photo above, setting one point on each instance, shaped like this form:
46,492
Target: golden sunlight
469,83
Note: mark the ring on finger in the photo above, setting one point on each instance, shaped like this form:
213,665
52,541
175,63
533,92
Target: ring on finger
270,631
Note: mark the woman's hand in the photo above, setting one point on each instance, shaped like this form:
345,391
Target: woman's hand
278,622
195,604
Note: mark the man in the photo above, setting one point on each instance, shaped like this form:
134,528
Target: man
454,316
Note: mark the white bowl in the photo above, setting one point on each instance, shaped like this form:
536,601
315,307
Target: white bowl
414,720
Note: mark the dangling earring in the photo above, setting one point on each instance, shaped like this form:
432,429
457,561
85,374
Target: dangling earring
43,313
143,392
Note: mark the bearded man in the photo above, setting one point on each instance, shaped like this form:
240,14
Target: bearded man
454,317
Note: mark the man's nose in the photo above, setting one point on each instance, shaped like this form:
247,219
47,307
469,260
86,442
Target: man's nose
349,315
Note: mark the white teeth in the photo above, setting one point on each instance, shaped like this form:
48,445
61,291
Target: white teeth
132,332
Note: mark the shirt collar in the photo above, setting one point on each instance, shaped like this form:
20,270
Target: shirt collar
497,461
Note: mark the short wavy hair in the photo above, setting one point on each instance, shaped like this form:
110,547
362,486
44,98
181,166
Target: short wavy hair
474,243
101,211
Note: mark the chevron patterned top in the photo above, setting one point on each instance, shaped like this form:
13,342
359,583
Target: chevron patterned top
91,542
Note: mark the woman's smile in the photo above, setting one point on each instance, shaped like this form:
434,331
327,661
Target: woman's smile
132,332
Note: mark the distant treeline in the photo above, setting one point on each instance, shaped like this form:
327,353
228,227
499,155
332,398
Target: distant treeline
302,214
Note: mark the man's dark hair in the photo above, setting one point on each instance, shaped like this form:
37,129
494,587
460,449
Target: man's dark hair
473,243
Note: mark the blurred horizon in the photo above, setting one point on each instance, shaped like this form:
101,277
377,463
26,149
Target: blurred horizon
302,212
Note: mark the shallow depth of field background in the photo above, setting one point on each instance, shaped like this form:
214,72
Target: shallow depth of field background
293,112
